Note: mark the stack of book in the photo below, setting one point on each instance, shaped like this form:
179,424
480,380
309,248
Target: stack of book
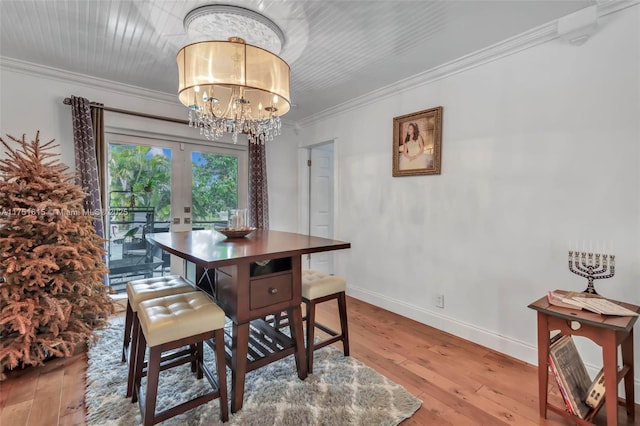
571,374
589,302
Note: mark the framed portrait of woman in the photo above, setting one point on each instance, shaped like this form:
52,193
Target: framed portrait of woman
417,143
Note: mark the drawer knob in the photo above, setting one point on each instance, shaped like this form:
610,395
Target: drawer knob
273,290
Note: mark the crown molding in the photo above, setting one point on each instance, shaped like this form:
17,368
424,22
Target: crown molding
65,76
492,53
607,7
510,46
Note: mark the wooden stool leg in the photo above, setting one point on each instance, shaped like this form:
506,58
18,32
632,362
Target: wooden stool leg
342,308
194,350
153,373
128,319
133,357
311,320
221,370
198,358
276,320
136,363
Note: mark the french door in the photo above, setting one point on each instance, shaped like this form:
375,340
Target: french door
157,185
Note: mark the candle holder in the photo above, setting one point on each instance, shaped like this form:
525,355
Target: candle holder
592,266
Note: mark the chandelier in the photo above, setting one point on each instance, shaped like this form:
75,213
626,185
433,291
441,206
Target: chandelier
231,86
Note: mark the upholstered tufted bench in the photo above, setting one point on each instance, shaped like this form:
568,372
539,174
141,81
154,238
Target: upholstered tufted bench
171,322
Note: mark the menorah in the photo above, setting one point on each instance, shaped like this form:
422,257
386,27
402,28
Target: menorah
588,265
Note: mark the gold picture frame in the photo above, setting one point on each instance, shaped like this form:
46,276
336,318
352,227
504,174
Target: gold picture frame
417,143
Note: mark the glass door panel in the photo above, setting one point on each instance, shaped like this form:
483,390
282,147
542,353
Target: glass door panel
139,200
214,188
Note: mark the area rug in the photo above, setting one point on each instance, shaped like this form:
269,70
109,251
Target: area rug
341,391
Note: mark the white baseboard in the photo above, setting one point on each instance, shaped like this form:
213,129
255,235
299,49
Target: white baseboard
487,338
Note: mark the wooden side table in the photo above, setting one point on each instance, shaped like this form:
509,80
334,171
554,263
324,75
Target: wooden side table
608,332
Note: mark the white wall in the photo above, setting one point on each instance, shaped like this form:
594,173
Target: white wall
282,179
540,151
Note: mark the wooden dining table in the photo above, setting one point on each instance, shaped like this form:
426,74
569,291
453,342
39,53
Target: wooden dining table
251,278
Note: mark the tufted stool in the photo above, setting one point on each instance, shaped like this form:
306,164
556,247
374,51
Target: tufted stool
145,289
318,287
171,322
138,291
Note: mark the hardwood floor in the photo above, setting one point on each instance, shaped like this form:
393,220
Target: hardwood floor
460,383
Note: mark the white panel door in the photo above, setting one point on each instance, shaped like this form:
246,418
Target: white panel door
321,203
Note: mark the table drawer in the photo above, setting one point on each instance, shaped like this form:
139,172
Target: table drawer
270,290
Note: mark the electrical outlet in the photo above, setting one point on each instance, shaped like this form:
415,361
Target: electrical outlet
440,301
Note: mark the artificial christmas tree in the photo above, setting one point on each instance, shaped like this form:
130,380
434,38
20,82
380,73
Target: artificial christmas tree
51,259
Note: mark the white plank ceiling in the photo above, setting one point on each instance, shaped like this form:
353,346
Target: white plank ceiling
337,49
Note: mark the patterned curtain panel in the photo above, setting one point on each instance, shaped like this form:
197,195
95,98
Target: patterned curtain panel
258,195
86,160
97,120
